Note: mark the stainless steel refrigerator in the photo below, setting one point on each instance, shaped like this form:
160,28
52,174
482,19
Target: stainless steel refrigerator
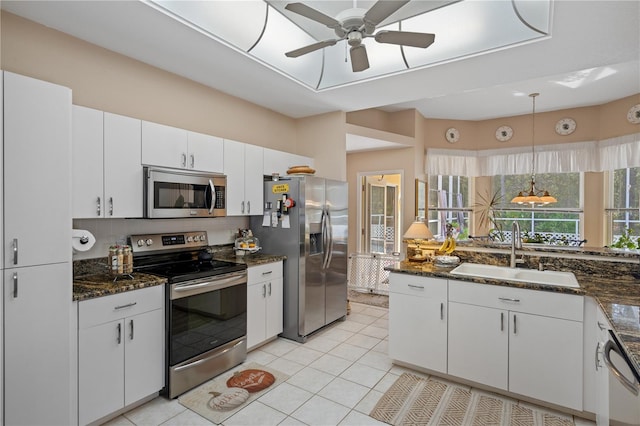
305,219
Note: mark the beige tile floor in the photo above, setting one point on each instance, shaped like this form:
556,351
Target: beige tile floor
336,378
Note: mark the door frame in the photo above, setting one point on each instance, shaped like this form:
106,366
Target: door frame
360,198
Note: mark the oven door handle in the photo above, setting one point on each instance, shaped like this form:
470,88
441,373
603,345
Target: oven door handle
631,386
200,361
212,284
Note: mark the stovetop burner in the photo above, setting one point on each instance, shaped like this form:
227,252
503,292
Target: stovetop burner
178,256
184,271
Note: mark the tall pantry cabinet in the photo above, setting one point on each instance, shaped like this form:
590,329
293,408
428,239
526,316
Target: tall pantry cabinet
37,269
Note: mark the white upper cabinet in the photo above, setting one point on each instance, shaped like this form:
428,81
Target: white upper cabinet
167,146
122,167
37,172
164,146
107,174
279,161
205,152
87,162
243,167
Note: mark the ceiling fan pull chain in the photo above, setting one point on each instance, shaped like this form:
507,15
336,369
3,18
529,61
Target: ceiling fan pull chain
345,53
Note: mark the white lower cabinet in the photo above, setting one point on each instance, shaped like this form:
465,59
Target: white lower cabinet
37,345
418,321
478,344
120,351
264,303
525,341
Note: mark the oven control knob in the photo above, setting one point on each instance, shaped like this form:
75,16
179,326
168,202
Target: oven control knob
149,241
202,237
140,242
190,239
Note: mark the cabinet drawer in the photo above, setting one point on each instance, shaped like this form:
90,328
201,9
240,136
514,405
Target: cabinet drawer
557,305
268,271
111,308
414,285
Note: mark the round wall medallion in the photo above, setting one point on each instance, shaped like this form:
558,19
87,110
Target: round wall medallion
452,135
504,133
633,116
566,126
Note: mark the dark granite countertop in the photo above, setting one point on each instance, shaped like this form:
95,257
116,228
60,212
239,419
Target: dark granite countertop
98,285
252,259
89,284
619,298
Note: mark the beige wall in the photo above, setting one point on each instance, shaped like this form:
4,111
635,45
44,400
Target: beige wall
112,82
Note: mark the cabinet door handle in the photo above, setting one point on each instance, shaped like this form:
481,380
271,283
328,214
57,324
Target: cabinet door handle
269,288
131,330
508,299
441,311
15,285
264,290
501,321
192,161
110,206
602,326
248,207
416,286
515,324
267,273
99,207
128,305
598,365
184,159
119,340
15,251
242,208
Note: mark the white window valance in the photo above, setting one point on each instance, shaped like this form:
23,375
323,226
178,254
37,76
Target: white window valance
591,156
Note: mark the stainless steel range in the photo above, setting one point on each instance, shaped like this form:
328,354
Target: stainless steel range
206,306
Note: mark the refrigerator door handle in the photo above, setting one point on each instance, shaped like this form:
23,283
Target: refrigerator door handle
325,238
329,240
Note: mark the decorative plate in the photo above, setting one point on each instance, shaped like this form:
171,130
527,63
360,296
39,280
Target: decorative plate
452,134
566,126
504,133
633,116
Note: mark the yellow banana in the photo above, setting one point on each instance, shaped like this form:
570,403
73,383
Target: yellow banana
445,245
452,245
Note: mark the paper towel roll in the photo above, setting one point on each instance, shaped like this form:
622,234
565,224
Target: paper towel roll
82,240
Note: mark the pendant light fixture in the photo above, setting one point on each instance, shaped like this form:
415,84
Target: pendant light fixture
533,196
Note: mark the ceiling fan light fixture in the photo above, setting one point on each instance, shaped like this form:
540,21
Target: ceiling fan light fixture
355,24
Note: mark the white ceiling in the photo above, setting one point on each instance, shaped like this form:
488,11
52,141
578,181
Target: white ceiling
592,57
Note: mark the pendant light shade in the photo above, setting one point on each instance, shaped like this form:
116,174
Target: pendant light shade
533,196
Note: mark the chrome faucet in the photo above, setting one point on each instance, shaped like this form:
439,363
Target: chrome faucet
516,243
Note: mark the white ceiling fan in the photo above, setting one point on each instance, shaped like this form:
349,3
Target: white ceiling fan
356,24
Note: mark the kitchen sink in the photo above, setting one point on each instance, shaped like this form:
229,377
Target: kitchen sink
562,279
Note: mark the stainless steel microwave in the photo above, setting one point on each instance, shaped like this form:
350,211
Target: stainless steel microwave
171,193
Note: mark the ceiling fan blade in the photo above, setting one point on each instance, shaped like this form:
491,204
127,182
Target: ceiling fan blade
405,38
313,14
359,59
310,48
382,9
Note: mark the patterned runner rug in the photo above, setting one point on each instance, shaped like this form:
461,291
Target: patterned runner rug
223,396
414,400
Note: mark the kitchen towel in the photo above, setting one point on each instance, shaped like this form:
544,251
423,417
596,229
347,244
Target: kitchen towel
82,240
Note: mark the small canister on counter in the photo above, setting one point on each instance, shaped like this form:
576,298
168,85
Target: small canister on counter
113,259
128,260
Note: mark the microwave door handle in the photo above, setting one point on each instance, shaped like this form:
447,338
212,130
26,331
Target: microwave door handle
213,196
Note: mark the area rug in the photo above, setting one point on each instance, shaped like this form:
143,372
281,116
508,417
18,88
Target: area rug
414,400
379,300
221,397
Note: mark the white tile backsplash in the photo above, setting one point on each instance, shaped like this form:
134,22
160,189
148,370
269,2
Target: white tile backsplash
220,230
